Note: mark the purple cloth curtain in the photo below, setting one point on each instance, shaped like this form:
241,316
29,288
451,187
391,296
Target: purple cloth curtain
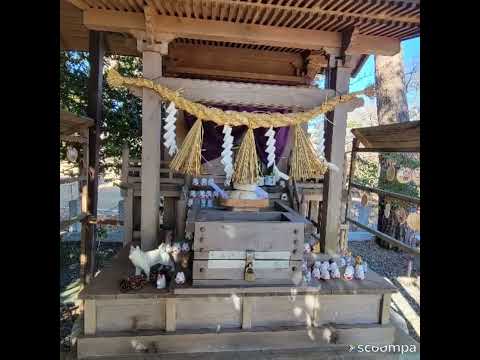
213,136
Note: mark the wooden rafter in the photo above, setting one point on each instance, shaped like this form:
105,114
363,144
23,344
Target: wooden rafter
107,20
334,14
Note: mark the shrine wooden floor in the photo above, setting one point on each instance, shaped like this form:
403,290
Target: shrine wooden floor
106,285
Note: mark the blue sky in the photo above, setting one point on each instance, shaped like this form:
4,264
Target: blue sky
366,76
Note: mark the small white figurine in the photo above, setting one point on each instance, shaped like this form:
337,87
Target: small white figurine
348,272
144,260
343,262
284,197
316,273
176,248
190,202
204,182
334,271
203,199
317,264
185,247
324,272
365,267
283,184
307,248
161,281
359,269
359,273
180,278
195,182
307,276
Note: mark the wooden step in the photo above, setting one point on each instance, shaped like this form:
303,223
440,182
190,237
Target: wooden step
233,340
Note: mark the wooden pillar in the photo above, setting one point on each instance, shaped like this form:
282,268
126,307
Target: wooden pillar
83,183
151,152
337,78
125,163
94,111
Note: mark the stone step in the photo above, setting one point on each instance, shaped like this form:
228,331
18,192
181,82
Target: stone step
148,343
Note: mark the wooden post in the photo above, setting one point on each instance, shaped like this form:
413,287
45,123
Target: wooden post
128,216
337,78
84,210
353,159
125,163
151,153
94,111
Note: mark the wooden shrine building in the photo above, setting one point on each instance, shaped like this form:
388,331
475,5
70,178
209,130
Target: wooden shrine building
258,54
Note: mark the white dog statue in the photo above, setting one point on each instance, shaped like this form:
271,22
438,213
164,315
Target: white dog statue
324,271
334,271
144,260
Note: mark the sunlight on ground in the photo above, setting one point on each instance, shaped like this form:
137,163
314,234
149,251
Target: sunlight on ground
404,307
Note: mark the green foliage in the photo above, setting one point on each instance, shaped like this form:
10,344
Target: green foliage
121,110
367,172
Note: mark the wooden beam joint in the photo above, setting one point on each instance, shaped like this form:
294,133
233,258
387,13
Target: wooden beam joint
349,41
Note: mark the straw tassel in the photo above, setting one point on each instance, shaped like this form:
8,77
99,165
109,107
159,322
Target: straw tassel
305,162
246,163
188,159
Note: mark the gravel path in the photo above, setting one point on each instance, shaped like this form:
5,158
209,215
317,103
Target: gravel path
391,264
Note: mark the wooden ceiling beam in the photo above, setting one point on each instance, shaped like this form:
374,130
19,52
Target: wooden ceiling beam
318,9
116,21
235,75
235,64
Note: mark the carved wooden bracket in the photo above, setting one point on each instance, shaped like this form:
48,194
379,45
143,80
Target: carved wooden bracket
316,61
149,40
349,42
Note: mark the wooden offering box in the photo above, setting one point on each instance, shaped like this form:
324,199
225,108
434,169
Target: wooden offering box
270,243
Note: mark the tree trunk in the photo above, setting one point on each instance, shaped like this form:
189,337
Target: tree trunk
392,107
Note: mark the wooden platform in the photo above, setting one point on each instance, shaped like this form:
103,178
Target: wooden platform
231,318
106,285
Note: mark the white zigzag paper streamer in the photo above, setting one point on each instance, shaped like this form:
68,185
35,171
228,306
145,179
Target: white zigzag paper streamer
318,135
227,153
169,137
270,150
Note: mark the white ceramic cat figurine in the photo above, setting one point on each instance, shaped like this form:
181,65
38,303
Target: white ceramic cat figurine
307,276
307,248
316,273
185,247
324,273
144,260
334,271
180,278
161,281
349,270
359,272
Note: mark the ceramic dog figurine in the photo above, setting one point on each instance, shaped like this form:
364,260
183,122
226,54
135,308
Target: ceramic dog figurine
161,281
180,278
359,269
144,260
349,270
334,271
324,271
